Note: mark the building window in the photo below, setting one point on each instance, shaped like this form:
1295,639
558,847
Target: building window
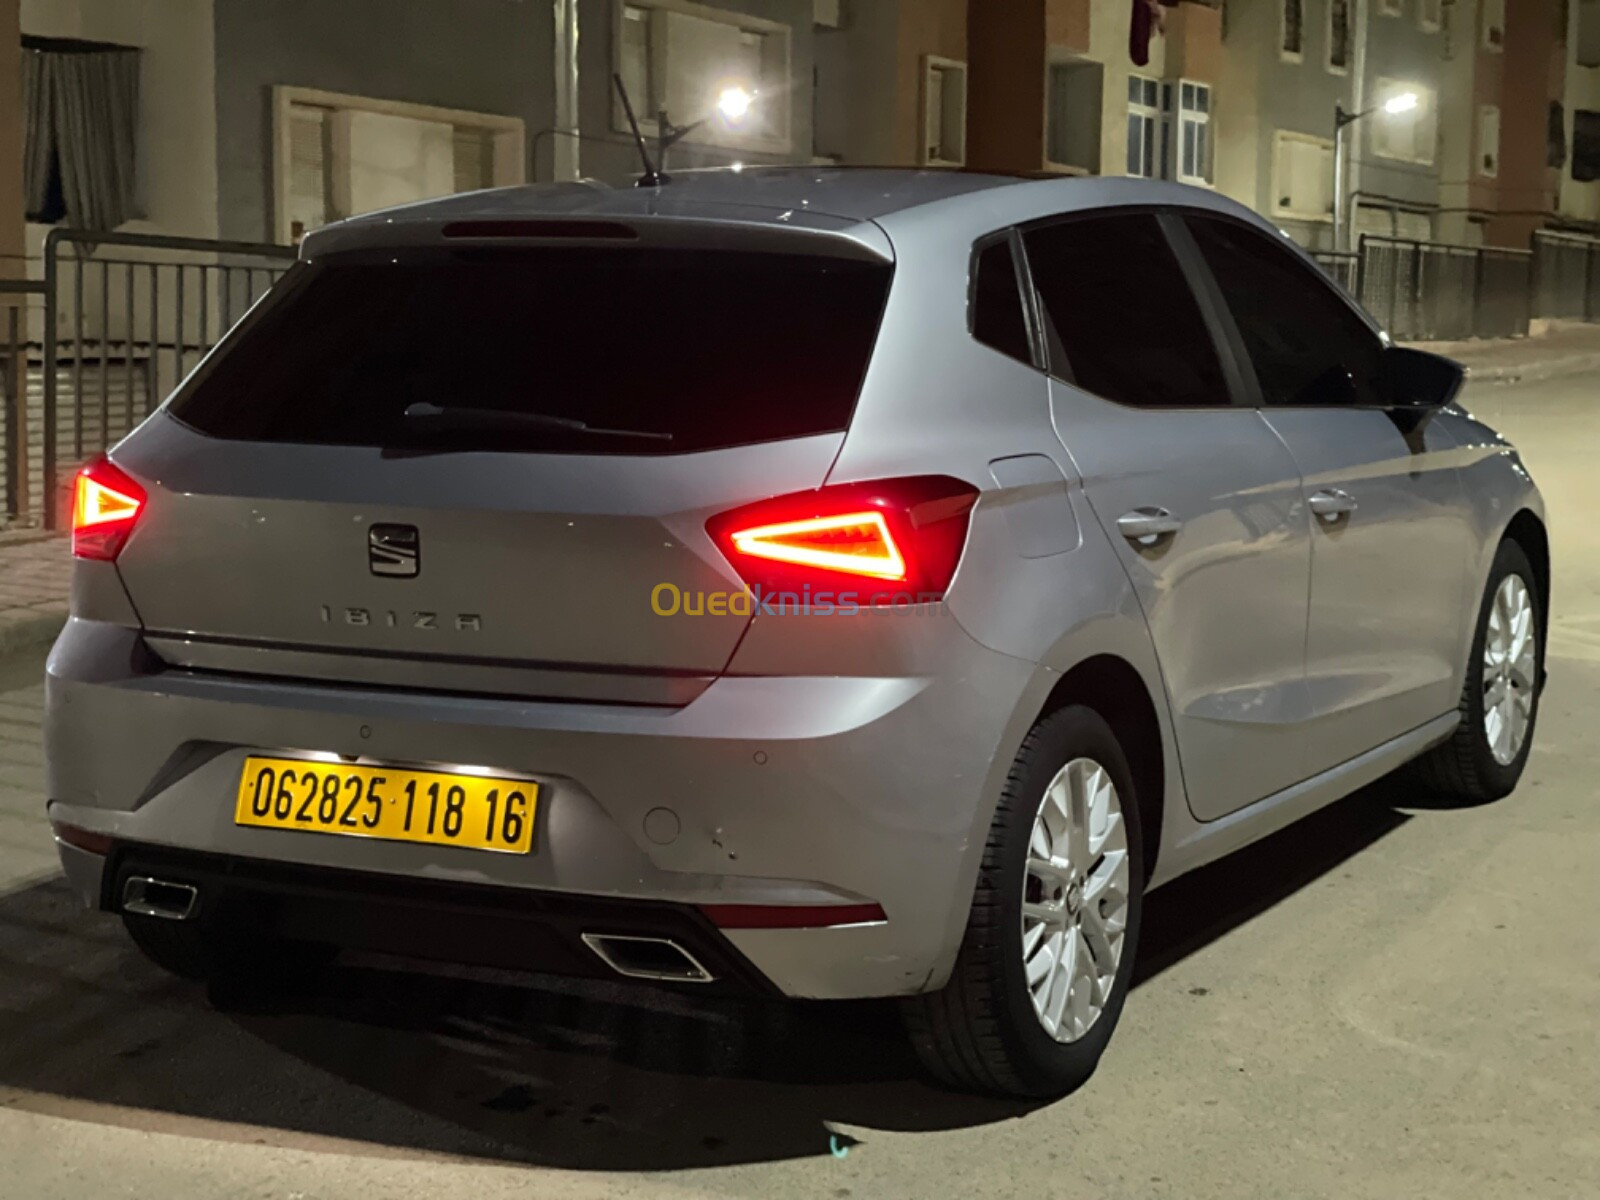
1072,141
80,132
1302,176
1291,26
681,57
1391,8
1588,30
1585,146
338,155
1488,140
1494,24
944,111
1194,133
1430,15
1339,36
1408,136
1148,133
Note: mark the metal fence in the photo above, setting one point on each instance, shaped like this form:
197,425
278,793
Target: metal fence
114,325
21,308
1566,276
1341,266
1434,291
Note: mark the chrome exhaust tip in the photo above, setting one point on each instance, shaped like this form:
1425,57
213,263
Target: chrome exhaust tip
659,959
159,898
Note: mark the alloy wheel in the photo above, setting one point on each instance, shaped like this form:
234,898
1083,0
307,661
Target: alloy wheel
1075,899
1510,669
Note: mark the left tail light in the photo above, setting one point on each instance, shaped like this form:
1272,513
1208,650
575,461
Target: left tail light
106,504
888,539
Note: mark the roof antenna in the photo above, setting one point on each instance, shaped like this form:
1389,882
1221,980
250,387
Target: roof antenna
651,176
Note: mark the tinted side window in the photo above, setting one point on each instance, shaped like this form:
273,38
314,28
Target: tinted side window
997,319
1128,324
1305,342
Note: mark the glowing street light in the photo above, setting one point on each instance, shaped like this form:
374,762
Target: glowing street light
1397,105
734,104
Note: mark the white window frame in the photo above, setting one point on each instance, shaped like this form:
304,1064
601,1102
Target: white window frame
1285,54
711,134
508,133
1392,8
953,66
1183,116
1487,114
1349,40
1287,135
1428,105
1488,25
1426,23
1156,121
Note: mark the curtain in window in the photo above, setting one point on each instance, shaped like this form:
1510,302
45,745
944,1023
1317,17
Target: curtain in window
80,123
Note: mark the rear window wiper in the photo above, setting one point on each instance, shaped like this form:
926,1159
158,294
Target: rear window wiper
425,416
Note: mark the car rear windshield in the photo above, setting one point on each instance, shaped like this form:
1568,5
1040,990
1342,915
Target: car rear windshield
608,351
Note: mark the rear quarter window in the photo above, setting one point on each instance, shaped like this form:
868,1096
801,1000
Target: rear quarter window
592,351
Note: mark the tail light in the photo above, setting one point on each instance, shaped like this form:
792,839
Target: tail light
890,538
105,506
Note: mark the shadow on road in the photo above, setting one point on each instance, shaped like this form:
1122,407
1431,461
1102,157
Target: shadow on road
567,1075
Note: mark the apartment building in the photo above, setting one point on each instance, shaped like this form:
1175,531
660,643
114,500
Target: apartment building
1579,187
1286,66
1398,52
1504,128
256,122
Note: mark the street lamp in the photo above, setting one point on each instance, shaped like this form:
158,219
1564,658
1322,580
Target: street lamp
1394,106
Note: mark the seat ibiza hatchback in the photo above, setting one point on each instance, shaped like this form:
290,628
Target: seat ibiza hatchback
813,583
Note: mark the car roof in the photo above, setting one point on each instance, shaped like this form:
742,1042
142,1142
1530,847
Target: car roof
848,193
853,206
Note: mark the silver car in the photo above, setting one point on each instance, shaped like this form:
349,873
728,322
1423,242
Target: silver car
817,583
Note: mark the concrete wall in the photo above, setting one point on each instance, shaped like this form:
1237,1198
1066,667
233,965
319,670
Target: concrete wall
608,153
489,56
1260,92
1469,76
858,85
1535,71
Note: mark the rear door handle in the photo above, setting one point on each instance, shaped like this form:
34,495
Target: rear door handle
1332,503
1148,525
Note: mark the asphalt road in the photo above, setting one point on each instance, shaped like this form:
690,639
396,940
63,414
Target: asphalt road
1392,999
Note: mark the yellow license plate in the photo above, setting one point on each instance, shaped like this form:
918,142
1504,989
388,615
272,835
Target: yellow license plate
479,812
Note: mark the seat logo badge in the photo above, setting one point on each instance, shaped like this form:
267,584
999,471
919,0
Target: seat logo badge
394,550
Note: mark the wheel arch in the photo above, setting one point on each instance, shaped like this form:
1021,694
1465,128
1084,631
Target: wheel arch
1529,532
1113,687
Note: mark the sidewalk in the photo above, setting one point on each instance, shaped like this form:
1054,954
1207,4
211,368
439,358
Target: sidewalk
35,568
35,571
1567,348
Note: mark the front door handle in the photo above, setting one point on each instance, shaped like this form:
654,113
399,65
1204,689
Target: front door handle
1148,525
1331,503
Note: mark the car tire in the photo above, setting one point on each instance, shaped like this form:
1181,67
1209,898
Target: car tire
985,1031
207,952
1467,768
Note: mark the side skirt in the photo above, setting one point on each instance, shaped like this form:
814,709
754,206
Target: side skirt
1206,843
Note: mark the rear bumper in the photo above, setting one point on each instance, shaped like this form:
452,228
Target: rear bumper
803,790
447,922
